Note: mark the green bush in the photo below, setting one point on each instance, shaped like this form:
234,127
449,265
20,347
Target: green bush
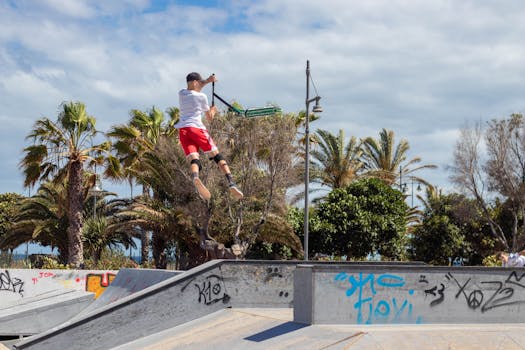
491,261
110,260
49,263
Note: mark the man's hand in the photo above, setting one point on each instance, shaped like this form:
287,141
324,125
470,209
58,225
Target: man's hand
211,79
211,113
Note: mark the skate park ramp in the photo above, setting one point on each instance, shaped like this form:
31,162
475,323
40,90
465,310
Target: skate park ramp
36,314
263,329
198,292
127,282
250,304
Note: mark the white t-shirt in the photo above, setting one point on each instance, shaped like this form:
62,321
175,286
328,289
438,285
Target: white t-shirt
515,260
192,105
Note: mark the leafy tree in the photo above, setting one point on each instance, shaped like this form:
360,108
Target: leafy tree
451,227
59,150
496,176
438,237
260,152
8,211
366,217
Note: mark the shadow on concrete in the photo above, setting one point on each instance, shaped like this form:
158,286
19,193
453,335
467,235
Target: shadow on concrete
276,331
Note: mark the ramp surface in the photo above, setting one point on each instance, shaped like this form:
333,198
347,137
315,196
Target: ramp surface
128,282
240,329
203,290
38,314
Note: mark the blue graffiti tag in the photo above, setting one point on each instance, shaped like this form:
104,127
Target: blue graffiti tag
382,310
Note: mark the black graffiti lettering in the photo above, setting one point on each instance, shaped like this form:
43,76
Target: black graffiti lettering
439,292
11,284
498,298
501,297
423,279
441,296
431,291
516,281
462,288
211,291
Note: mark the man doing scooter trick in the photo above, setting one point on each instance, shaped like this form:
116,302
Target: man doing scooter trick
193,134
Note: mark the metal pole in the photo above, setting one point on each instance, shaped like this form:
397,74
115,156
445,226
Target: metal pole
307,161
412,182
213,92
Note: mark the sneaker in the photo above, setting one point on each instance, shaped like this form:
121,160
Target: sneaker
201,189
235,192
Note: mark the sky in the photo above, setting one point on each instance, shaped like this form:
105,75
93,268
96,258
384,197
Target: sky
420,68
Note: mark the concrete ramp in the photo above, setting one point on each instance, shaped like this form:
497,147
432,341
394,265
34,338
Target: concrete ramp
39,313
201,291
128,282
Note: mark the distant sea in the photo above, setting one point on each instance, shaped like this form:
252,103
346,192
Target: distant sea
17,257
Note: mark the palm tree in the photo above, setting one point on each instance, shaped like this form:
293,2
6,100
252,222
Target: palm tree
42,218
387,162
149,214
133,140
100,231
58,152
336,164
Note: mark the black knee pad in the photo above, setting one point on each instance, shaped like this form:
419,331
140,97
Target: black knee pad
198,162
217,158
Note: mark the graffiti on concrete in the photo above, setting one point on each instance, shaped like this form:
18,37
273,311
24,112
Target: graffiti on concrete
271,273
97,283
212,290
283,294
371,308
390,298
11,284
510,291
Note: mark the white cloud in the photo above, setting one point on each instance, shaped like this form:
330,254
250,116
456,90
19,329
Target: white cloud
420,68
74,8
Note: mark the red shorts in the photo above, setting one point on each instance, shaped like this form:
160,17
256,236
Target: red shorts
191,139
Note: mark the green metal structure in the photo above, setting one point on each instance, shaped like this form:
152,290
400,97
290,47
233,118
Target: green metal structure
248,113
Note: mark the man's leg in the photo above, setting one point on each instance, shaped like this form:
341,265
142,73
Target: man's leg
195,165
225,169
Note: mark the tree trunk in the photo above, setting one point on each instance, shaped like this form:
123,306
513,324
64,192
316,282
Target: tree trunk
144,235
144,244
97,255
159,252
75,201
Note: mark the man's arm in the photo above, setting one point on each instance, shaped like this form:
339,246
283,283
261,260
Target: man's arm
211,79
211,113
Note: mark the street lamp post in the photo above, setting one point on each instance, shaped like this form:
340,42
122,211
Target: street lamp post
317,109
403,186
95,191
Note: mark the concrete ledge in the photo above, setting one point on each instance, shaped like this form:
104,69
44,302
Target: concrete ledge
408,295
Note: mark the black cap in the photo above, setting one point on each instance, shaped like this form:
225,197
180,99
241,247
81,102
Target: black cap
194,76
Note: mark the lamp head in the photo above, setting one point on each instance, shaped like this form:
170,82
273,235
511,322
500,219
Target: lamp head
96,189
317,108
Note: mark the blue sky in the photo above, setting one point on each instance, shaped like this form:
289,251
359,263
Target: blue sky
420,68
